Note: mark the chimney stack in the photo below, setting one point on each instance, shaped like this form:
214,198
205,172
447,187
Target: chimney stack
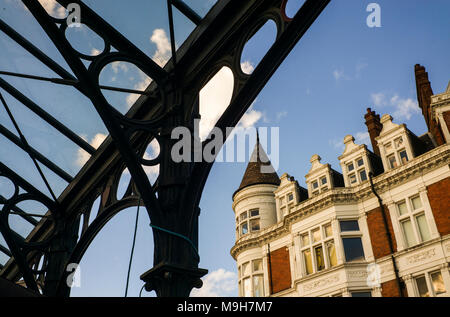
374,128
424,93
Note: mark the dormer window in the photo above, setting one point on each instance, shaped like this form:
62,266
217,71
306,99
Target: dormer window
352,178
356,175
290,197
363,175
392,161
403,157
360,162
350,167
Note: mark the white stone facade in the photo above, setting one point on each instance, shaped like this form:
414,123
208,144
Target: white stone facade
331,251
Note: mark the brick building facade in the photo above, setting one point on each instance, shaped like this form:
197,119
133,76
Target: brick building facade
379,228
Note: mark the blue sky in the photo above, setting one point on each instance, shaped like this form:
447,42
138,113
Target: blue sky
317,96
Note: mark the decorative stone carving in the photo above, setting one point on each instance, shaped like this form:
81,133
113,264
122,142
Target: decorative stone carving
421,256
320,283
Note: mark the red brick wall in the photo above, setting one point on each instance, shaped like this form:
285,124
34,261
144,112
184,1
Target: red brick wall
439,197
377,231
281,270
390,289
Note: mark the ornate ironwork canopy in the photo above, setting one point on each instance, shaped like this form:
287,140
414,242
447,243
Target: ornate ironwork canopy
170,99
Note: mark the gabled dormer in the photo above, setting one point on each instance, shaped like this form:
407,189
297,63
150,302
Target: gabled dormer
357,162
394,143
321,177
288,194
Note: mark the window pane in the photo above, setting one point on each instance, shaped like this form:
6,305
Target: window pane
323,180
403,156
416,202
402,208
244,228
361,294
392,161
353,249
438,283
350,167
305,239
308,261
331,250
363,175
243,216
254,212
360,162
352,178
319,258
246,269
328,230
258,285
316,235
408,232
247,287
349,225
315,185
423,228
422,286
257,265
254,225
291,197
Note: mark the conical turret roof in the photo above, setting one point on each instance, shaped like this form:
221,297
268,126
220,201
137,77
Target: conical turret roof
259,169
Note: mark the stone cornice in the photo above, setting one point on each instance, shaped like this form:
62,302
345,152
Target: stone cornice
420,165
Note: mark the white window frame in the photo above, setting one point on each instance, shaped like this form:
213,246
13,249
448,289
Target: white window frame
252,274
395,151
429,284
247,220
351,234
356,170
312,245
321,187
412,214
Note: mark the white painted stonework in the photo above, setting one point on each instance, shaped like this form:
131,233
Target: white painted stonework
287,223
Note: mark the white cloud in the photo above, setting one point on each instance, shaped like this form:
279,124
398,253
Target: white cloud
219,283
95,52
378,99
52,7
403,108
215,96
116,66
161,56
82,155
247,67
338,74
163,49
249,118
362,137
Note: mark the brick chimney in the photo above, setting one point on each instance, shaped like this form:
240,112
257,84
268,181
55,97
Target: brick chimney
374,128
424,93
